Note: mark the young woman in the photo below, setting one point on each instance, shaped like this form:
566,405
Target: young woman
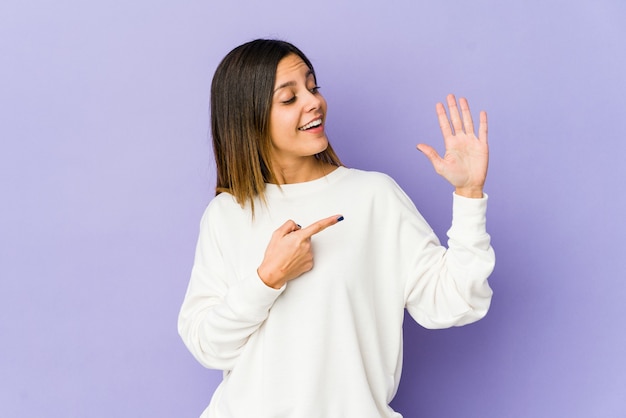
306,321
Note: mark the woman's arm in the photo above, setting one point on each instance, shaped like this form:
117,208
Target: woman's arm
220,311
450,285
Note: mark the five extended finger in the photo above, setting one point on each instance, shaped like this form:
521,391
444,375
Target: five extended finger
432,155
455,116
482,127
444,122
467,116
320,225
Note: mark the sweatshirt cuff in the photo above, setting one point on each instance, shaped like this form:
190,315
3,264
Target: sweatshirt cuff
469,214
251,298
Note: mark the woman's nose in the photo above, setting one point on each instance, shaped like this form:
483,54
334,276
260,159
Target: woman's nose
314,101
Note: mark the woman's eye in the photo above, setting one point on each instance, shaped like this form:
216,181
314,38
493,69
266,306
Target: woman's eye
312,90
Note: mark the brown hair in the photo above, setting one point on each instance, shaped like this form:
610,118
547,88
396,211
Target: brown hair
241,99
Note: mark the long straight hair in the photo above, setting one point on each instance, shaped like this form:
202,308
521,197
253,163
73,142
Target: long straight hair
241,100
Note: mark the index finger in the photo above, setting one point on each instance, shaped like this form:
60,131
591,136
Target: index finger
444,122
320,225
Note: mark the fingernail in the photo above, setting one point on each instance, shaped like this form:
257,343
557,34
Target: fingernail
339,219
299,226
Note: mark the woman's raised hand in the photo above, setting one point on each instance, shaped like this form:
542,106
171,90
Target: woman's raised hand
289,253
465,162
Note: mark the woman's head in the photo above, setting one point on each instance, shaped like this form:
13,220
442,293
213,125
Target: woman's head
243,121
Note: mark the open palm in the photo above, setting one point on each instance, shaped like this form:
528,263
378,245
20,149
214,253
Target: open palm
465,161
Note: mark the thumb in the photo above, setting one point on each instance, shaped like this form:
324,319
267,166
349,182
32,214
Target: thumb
430,153
287,228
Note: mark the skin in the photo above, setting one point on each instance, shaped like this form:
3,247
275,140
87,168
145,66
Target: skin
289,253
465,161
297,102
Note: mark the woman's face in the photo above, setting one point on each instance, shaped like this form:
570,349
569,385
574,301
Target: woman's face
297,114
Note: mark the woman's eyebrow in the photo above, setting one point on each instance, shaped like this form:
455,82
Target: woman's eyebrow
287,84
293,83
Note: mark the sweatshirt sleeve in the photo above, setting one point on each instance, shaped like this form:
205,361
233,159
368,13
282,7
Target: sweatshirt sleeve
220,312
449,287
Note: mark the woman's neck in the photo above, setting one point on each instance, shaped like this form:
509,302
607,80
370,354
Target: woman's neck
302,171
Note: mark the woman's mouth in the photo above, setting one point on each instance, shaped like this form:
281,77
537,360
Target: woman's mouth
312,124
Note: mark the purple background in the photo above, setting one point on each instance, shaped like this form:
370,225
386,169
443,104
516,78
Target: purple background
105,169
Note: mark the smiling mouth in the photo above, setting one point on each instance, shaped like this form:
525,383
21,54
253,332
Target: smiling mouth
312,124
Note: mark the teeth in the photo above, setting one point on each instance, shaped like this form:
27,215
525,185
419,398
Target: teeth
310,125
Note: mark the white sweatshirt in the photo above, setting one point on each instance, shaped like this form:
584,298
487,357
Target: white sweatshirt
329,343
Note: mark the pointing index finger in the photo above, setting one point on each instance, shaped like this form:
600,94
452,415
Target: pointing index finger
320,225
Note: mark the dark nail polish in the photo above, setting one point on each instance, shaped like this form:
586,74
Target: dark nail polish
339,219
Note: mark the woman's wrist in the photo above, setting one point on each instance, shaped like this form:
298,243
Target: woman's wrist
470,192
267,278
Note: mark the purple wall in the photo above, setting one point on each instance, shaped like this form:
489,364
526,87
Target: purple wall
105,170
